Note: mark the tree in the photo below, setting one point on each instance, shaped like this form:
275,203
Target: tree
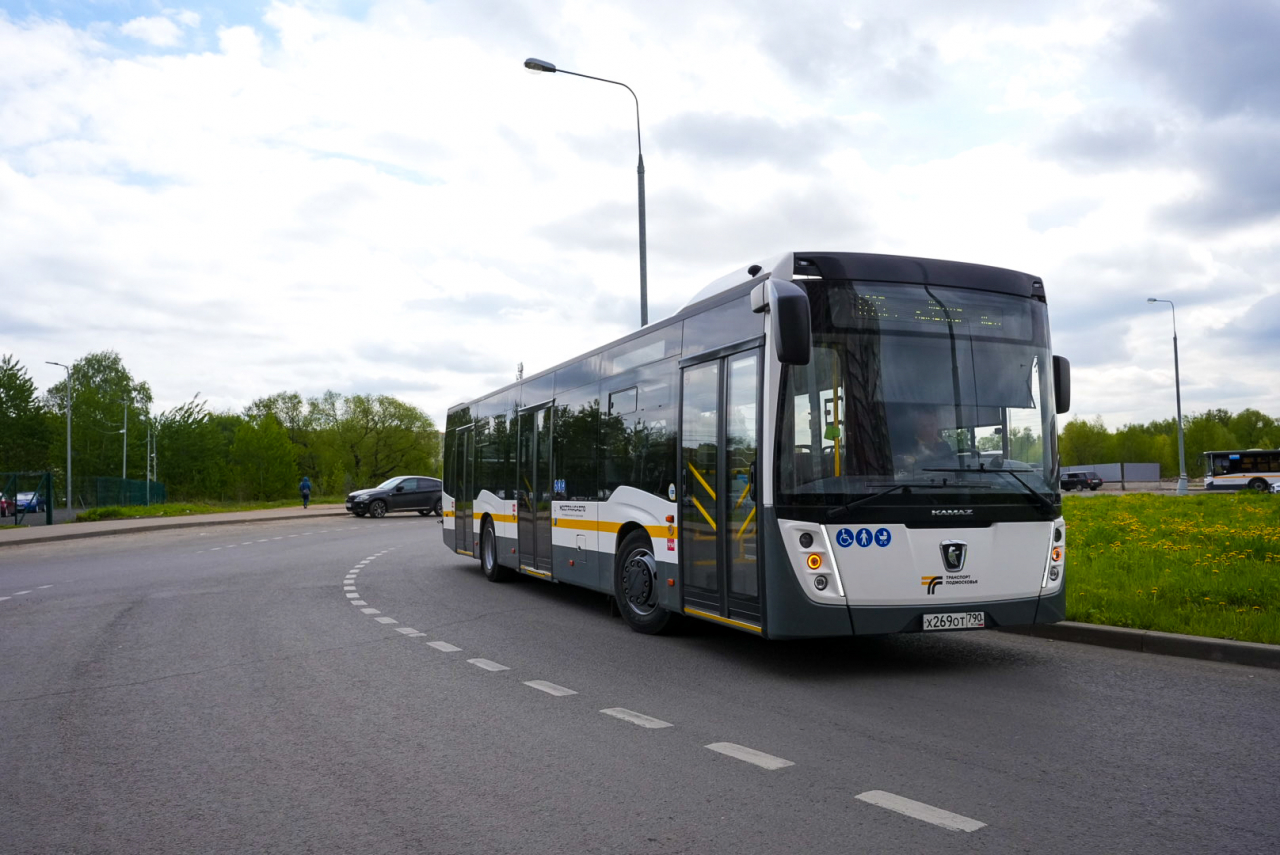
265,460
1085,443
24,426
193,452
100,384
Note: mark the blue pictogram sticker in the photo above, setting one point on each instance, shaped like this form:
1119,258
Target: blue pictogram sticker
844,537
883,537
864,537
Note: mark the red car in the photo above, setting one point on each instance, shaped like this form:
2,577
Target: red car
6,505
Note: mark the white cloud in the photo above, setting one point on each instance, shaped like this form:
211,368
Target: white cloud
157,31
314,201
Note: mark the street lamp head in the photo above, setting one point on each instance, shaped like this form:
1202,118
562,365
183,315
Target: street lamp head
1152,300
537,66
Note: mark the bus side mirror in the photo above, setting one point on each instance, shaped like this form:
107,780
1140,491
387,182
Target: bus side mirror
788,308
1062,383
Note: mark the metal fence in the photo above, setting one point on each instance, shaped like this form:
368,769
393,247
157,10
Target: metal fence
1121,473
98,492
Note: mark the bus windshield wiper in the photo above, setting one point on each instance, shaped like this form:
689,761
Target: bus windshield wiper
1031,491
906,485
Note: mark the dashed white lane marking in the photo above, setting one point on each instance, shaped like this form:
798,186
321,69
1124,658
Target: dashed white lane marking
371,611
359,603
348,587
488,665
407,630
919,810
4,598
386,620
636,718
353,596
20,593
550,688
247,543
277,538
750,755
215,549
264,540
443,646
42,587
291,535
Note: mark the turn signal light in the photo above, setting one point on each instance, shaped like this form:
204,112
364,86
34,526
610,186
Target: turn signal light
1057,553
815,561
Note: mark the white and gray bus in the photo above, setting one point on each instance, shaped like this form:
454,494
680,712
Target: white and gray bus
1252,468
823,444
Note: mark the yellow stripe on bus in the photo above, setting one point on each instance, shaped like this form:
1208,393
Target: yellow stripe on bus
718,619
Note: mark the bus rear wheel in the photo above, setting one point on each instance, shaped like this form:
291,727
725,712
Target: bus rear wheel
635,584
1259,485
493,571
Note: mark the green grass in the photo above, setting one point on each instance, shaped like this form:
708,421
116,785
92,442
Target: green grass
1204,565
132,512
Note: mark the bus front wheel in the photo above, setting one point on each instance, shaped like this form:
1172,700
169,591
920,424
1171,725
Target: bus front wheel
635,584
493,571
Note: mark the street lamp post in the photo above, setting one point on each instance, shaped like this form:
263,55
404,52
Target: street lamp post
68,368
1177,391
539,66
124,462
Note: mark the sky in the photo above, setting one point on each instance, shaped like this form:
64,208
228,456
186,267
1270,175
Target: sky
376,197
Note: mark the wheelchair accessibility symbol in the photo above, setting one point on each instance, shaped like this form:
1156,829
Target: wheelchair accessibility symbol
864,537
844,537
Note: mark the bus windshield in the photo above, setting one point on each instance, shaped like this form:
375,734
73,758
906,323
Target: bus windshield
918,386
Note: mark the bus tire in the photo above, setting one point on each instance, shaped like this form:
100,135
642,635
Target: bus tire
1259,485
635,585
493,571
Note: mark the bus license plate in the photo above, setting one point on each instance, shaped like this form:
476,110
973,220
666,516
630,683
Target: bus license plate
956,620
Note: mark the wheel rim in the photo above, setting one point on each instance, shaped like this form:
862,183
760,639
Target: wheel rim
378,509
639,582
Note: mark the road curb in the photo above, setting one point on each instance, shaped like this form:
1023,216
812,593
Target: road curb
1162,643
80,531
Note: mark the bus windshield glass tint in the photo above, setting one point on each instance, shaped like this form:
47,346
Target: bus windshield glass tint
913,384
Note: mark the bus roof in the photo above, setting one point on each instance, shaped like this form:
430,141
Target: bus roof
881,268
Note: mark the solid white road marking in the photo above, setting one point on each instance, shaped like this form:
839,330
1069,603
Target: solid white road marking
550,688
371,611
488,665
750,755
636,718
386,620
919,810
443,646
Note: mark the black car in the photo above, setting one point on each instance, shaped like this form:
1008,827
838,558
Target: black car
1080,481
402,493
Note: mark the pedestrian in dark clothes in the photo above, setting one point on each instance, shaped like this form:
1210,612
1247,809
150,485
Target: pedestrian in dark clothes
305,489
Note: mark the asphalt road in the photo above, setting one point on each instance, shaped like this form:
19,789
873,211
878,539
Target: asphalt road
222,690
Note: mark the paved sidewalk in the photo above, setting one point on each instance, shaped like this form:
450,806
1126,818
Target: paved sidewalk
16,535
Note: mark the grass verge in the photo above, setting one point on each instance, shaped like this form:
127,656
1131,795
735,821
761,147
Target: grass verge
1204,565
133,512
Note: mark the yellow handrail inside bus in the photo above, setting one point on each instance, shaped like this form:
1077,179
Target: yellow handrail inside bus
745,524
701,480
704,513
745,490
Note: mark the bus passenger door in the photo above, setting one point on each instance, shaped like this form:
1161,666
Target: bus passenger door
719,445
533,506
464,536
